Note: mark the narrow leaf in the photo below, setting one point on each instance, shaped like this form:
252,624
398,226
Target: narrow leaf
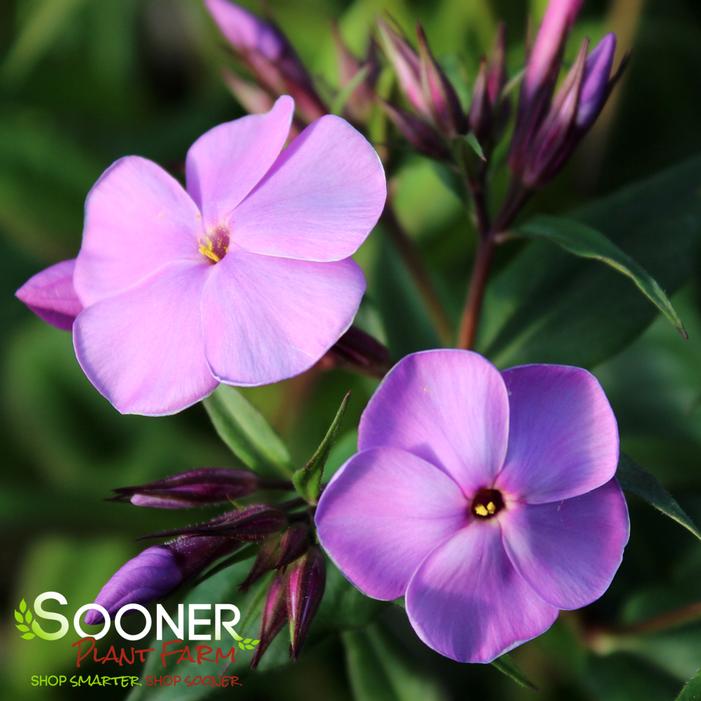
246,432
475,145
634,479
509,668
584,241
692,689
22,627
19,617
23,606
307,479
28,636
341,99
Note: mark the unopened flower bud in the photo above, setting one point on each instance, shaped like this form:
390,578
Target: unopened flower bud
250,96
359,350
278,551
420,134
407,67
268,55
206,485
481,107
542,69
360,102
250,523
274,616
597,83
439,93
157,571
305,590
51,296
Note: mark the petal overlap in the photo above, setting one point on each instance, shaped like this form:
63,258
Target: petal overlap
569,551
266,319
563,436
449,407
468,602
143,349
383,512
320,199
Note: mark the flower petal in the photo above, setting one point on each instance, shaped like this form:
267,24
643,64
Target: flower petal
563,439
449,407
467,601
319,201
143,349
383,512
569,551
228,161
50,295
137,218
266,319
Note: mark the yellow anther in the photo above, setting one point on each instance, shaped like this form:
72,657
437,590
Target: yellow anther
481,510
207,250
491,508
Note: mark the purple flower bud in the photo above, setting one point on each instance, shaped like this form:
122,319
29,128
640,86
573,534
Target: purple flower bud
597,82
481,107
406,65
359,350
541,74
274,616
553,141
305,589
268,55
252,98
496,72
157,571
420,134
278,551
206,485
361,101
51,296
251,523
439,93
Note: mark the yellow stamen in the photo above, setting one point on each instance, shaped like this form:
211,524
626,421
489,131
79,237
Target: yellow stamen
481,510
207,250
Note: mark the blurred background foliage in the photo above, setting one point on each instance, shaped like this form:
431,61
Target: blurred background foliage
83,82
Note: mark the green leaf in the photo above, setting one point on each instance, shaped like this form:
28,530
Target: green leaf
29,636
508,667
19,617
244,430
22,627
692,689
544,302
28,617
379,669
586,242
23,606
307,479
634,479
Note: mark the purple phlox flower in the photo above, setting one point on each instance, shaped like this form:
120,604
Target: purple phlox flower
549,128
305,590
268,55
487,499
250,523
244,277
199,487
277,551
157,571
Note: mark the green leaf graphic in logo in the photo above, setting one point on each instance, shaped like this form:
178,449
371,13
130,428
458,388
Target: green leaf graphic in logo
245,643
24,617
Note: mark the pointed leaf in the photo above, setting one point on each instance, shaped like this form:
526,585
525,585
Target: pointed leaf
586,242
28,617
692,689
28,636
19,617
307,479
508,667
341,100
23,606
22,627
638,481
246,432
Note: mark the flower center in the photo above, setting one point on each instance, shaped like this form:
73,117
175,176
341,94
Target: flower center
215,245
487,503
